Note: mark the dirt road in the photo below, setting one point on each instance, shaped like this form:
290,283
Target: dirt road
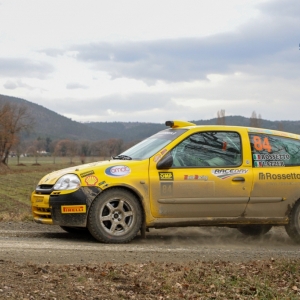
21,242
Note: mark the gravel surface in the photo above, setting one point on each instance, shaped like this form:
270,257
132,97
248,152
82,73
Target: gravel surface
45,243
44,262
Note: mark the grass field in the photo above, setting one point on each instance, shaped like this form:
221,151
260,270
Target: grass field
17,183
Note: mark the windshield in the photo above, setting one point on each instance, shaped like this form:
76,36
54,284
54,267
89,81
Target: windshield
151,145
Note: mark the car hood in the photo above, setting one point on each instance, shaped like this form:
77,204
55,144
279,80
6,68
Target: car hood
85,170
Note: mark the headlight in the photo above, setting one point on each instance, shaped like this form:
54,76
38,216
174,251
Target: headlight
67,182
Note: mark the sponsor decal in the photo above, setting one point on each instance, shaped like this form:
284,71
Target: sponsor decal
38,198
226,173
268,131
87,173
166,133
117,171
165,176
195,177
274,132
73,209
163,151
101,183
157,158
271,156
270,160
269,164
91,180
270,176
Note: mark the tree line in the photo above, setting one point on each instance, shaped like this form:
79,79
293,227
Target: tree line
70,148
16,120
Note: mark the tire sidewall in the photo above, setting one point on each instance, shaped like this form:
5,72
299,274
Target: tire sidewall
293,228
96,227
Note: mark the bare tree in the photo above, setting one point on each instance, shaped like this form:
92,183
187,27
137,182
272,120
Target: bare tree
100,149
84,150
114,146
221,117
255,121
54,150
14,119
36,148
66,148
19,149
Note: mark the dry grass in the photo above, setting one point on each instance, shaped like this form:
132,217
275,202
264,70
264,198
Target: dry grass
195,280
18,181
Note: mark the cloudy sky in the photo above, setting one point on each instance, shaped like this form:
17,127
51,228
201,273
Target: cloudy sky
153,60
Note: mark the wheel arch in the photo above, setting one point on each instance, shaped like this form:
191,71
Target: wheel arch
291,206
130,189
293,226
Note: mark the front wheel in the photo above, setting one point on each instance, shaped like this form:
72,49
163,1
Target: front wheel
293,227
115,216
254,230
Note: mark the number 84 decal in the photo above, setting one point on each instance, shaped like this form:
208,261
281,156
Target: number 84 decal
166,188
261,144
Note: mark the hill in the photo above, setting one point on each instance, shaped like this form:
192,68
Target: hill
50,124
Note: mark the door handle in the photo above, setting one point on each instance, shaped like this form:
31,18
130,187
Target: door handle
238,179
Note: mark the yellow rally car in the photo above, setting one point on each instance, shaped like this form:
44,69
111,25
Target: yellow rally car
186,175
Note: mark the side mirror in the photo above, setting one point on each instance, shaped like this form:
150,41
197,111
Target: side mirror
165,163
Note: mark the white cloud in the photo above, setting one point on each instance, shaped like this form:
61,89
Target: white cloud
24,67
74,85
10,85
152,60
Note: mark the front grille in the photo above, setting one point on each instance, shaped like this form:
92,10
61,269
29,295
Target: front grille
41,212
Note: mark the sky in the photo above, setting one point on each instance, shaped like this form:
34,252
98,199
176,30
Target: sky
153,60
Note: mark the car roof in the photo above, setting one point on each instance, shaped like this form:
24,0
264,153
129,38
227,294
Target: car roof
176,124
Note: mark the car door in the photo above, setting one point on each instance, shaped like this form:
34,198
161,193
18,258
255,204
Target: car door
208,178
276,161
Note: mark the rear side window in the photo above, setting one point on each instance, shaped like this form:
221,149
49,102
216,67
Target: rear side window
274,151
211,148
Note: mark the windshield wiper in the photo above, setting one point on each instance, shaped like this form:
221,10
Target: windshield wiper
125,157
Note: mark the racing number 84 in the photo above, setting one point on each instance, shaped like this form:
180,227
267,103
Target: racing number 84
166,188
261,144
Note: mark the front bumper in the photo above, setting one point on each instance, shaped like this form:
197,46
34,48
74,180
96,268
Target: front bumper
65,209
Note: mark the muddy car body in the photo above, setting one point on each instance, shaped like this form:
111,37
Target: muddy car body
186,175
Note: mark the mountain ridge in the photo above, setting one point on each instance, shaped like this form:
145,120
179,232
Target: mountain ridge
55,126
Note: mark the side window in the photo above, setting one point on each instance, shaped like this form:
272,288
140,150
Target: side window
203,149
274,151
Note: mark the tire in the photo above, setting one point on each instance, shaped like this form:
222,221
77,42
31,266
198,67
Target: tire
74,230
254,230
293,227
115,216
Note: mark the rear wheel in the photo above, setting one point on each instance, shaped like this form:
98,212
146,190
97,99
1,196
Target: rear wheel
115,216
293,227
254,230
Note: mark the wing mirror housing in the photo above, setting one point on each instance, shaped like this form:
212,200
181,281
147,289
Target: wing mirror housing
165,163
